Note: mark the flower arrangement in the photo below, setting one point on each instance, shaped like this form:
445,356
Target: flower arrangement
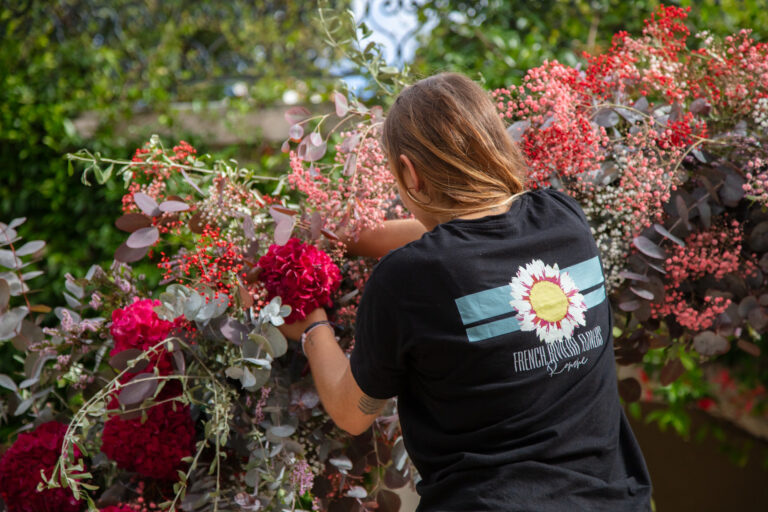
662,140
186,396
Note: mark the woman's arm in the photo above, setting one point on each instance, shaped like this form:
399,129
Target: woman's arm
349,407
389,236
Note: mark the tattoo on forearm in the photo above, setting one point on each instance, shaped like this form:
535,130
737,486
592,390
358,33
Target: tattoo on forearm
370,405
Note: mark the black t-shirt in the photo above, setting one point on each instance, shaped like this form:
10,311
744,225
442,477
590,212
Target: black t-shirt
495,335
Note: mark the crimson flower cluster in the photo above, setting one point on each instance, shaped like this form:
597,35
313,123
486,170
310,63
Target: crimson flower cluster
20,470
138,326
152,446
302,275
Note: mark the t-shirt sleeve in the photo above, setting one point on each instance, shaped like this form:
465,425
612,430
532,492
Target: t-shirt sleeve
376,359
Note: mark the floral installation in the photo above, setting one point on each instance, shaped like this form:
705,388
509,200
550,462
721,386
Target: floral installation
185,395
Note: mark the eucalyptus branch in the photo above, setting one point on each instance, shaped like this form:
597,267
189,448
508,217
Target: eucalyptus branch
95,160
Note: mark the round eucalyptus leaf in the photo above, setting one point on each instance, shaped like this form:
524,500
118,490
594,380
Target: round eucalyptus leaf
748,347
707,343
129,255
650,249
192,306
296,132
5,294
233,330
340,101
630,389
254,343
357,491
8,260
642,293
758,239
138,389
387,501
517,130
7,383
24,406
342,462
395,479
234,372
315,224
30,247
629,305
350,165
607,117
130,222
626,274
399,455
143,237
666,234
120,360
10,322
671,371
17,222
248,379
173,206
260,362
315,151
276,340
146,204
282,430
329,234
296,114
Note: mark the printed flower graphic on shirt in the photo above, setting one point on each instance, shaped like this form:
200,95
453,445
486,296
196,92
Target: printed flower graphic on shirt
546,301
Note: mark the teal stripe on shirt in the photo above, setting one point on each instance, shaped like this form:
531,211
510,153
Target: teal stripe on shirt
487,304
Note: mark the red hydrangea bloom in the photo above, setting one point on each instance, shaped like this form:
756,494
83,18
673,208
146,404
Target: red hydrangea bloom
121,508
301,274
153,448
20,472
138,326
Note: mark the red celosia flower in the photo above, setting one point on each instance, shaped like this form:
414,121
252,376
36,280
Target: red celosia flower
119,508
20,472
301,274
153,448
138,326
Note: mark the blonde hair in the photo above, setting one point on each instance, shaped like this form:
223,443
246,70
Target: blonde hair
450,130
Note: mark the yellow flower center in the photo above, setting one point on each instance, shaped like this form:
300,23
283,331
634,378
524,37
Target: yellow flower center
548,301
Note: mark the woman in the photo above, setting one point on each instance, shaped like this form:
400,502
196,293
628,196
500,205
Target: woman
492,327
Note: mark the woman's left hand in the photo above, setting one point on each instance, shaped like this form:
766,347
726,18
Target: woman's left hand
294,330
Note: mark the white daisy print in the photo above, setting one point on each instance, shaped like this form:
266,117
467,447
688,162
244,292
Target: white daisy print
546,301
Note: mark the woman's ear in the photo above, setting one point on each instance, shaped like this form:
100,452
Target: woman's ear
410,176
